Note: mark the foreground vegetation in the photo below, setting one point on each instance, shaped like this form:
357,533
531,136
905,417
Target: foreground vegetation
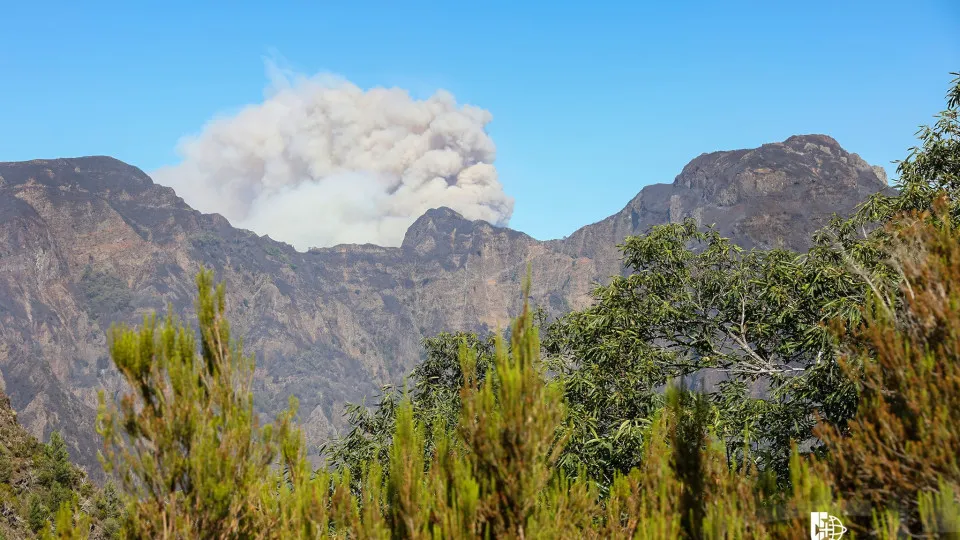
712,393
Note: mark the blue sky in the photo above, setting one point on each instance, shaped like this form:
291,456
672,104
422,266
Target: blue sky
591,101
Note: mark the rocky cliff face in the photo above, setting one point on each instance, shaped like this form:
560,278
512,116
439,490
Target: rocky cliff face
88,242
773,196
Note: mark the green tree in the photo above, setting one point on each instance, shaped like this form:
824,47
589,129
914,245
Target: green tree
37,513
56,467
184,441
508,426
696,307
434,391
56,473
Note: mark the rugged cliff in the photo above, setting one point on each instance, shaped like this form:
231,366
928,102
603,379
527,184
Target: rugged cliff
773,196
88,242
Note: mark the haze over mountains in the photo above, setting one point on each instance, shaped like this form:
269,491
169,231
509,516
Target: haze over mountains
87,242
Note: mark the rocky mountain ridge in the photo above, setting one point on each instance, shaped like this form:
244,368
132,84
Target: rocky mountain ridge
88,242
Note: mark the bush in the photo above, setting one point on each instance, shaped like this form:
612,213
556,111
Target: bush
106,294
185,441
905,440
6,468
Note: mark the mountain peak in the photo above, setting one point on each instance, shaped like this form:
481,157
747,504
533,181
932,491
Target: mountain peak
816,139
434,223
442,232
52,168
443,213
102,175
775,195
804,163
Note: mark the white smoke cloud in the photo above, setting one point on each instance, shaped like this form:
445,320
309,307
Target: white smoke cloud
321,162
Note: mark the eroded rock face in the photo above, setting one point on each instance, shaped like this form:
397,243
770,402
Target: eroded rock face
88,242
773,196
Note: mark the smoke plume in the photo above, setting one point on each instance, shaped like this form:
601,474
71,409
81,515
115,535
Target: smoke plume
322,162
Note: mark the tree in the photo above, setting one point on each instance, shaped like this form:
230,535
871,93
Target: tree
434,394
37,513
184,441
748,326
56,473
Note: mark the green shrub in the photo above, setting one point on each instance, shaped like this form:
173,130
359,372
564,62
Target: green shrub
38,513
6,468
106,294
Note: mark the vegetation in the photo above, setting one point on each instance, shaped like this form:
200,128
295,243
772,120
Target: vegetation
193,459
106,293
185,441
748,326
828,381
37,479
905,439
765,329
754,326
435,400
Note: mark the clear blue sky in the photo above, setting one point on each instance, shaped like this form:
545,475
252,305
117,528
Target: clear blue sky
591,100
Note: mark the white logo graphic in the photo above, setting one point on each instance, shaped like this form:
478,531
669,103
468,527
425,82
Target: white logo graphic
823,526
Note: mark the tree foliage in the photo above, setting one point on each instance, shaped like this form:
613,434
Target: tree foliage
434,396
185,439
747,326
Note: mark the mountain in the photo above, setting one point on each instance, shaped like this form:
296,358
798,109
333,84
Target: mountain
773,196
89,242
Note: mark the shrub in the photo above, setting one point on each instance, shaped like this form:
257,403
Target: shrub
905,439
185,441
37,513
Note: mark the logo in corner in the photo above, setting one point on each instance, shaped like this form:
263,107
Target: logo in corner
823,526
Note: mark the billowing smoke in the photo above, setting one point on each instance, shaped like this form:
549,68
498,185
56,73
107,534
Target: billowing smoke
321,162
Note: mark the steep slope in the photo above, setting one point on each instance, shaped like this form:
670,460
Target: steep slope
87,242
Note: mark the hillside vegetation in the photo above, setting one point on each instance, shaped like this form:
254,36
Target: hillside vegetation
710,393
36,479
